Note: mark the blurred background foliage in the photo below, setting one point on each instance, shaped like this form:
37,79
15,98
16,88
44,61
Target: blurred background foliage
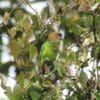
39,74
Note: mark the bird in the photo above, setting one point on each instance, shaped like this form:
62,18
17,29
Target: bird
50,47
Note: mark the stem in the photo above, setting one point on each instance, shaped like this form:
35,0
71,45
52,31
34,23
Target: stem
95,40
95,55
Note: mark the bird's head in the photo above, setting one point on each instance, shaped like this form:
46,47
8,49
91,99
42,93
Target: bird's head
55,37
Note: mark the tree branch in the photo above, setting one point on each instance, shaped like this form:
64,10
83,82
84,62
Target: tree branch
52,10
51,7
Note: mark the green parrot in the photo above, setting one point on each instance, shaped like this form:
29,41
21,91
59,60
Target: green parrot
50,47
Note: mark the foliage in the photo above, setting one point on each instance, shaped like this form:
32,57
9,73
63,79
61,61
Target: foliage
44,61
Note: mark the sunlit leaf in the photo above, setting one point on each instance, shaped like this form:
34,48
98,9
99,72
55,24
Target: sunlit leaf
32,52
12,32
27,22
6,18
47,84
15,48
85,5
27,84
31,38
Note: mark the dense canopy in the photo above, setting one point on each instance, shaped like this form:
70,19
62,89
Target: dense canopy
51,49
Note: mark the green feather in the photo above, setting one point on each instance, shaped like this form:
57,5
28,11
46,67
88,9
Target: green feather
48,52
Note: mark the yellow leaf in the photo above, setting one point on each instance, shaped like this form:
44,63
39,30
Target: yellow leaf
85,5
15,48
74,17
12,32
47,84
6,18
27,22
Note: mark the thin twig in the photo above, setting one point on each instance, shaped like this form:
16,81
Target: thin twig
2,23
40,20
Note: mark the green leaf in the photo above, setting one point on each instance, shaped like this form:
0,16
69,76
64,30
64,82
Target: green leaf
47,84
37,86
97,19
35,22
32,52
83,78
97,95
71,57
17,93
97,23
67,43
87,20
27,84
98,1
60,69
97,52
15,48
19,15
20,78
98,68
19,25
27,22
76,29
35,95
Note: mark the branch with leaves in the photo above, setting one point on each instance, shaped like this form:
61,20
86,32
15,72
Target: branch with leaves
43,70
